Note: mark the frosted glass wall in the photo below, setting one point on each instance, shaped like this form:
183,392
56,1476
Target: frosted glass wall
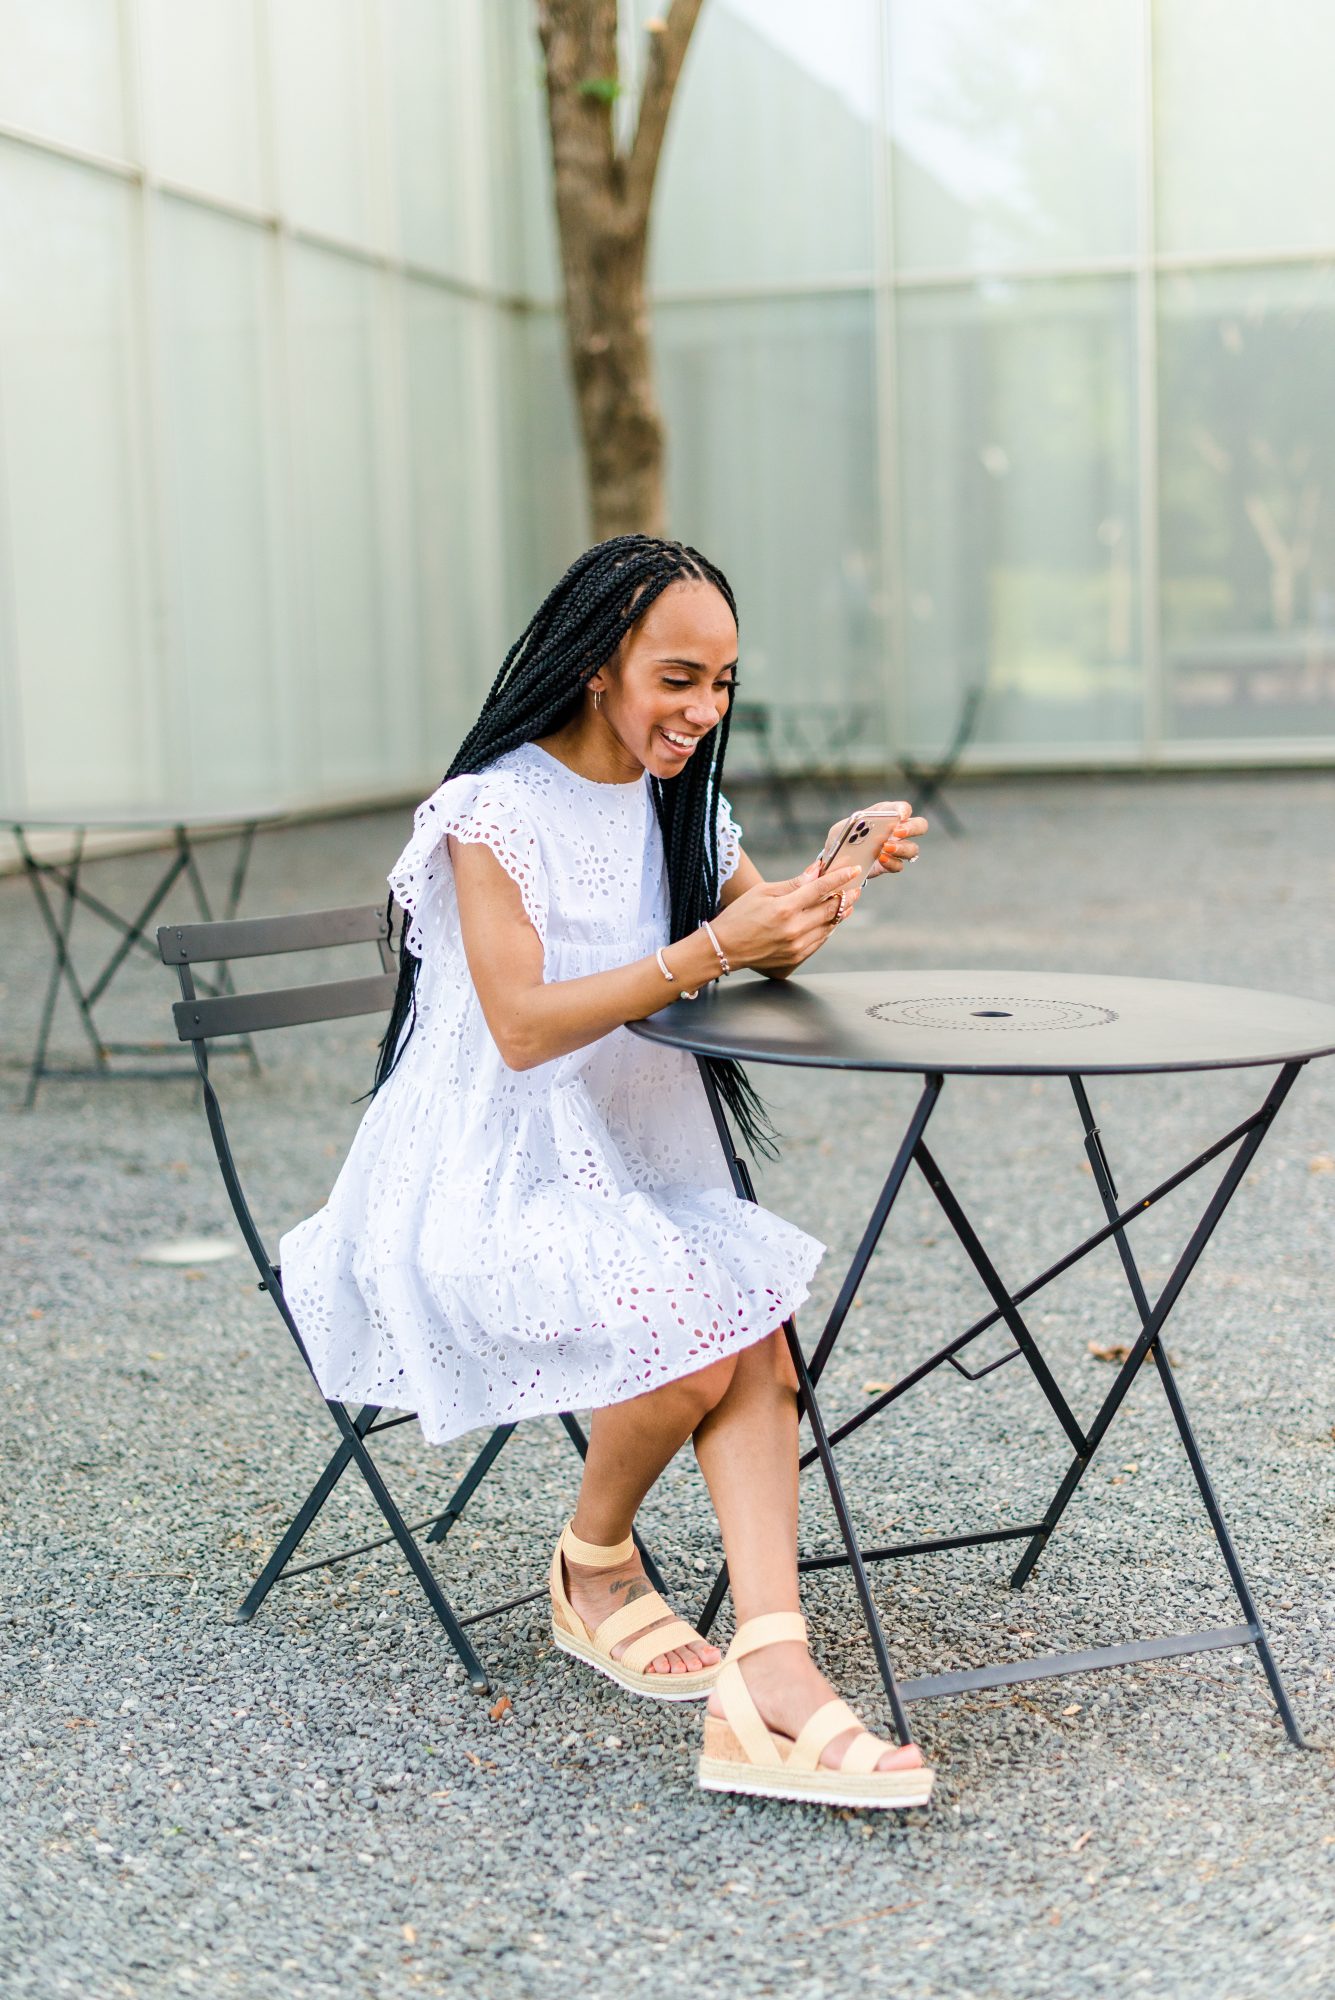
995,340
258,269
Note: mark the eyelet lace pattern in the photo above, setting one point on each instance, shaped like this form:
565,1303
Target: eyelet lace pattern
499,1243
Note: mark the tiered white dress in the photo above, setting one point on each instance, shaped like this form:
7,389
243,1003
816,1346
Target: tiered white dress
504,1243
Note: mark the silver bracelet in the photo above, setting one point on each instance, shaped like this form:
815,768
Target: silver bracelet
669,974
724,967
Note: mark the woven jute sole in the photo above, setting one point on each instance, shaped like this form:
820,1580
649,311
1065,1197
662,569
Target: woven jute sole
724,1767
653,1687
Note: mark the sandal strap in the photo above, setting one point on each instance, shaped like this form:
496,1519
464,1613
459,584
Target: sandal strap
744,1718
863,1754
663,1639
773,1628
590,1556
831,1719
629,1619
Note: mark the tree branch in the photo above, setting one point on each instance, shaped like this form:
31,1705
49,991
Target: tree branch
667,52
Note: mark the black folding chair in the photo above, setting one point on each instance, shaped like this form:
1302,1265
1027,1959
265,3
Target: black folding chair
200,1019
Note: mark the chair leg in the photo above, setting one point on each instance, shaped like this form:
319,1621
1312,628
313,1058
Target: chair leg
411,1548
470,1482
303,1519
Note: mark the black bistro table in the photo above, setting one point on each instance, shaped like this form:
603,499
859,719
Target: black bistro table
943,1024
59,889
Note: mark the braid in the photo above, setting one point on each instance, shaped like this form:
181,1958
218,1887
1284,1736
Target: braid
575,631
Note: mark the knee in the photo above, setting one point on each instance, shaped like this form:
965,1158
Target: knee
707,1387
772,1354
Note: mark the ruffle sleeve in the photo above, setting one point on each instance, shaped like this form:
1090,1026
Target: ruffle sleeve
489,808
729,841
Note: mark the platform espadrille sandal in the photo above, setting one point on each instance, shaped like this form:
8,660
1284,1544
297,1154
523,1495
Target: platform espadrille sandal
631,1622
743,1754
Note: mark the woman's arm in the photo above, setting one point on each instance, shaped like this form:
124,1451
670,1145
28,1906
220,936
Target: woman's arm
533,1021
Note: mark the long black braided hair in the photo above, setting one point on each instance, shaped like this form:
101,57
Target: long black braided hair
540,686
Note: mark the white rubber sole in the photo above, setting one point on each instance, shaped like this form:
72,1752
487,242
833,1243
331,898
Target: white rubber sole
894,1791
653,1687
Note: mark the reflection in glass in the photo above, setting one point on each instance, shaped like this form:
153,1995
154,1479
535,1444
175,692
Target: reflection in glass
771,413
1019,514
766,173
1247,507
1014,129
222,438
1243,134
83,653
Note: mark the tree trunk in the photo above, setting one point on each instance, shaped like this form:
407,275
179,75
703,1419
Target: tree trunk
603,201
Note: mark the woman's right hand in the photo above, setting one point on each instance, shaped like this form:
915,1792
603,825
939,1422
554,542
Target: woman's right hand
776,925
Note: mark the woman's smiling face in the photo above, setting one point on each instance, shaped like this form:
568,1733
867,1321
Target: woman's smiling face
672,682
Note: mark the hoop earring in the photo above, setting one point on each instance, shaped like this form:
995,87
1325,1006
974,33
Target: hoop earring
597,698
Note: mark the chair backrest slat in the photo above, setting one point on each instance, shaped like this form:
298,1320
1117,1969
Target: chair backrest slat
284,1007
261,937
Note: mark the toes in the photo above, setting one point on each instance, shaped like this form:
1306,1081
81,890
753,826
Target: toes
907,1758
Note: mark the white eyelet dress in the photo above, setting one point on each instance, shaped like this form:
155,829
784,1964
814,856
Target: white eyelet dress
501,1243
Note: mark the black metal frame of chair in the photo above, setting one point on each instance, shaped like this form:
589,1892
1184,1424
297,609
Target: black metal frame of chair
200,1019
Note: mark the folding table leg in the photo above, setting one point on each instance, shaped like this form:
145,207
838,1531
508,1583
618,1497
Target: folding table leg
1154,1320
62,966
847,1531
1001,1298
1102,1171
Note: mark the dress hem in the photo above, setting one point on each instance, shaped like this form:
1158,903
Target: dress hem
544,1408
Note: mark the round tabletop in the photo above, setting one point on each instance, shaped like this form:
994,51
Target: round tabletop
132,818
994,1023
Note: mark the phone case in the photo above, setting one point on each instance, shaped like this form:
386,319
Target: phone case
859,838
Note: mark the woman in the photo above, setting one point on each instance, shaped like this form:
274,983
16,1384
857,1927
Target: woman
536,1214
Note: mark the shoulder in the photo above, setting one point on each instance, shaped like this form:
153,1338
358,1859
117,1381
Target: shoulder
511,786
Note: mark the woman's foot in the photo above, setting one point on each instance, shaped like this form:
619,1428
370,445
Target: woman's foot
596,1593
787,1687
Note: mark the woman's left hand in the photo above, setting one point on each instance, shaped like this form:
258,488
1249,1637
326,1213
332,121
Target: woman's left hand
900,848
902,845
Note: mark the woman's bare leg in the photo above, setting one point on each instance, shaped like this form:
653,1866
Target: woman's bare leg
629,1445
747,1448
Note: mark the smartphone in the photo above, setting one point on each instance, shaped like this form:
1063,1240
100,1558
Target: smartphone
859,838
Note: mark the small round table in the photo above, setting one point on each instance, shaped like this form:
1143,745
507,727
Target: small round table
941,1023
59,889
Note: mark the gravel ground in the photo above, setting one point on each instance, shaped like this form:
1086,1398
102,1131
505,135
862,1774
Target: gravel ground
317,1804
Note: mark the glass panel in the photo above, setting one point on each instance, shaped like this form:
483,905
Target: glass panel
770,90
60,72
459,380
1019,511
322,116
348,720
1014,130
201,67
221,423
528,185
449,114
1247,508
772,473
1243,128
69,358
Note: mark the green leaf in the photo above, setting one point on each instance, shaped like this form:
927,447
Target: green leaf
606,89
